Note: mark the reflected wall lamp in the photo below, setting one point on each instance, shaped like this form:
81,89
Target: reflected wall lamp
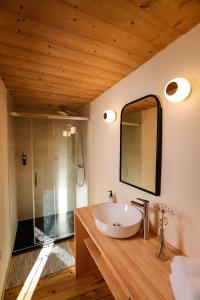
70,131
109,116
177,90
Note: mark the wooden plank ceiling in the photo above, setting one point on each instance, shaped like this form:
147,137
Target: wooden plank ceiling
64,53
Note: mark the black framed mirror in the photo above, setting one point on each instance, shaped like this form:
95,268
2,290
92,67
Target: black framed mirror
141,144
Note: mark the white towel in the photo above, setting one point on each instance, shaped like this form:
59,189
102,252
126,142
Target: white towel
185,278
176,287
186,266
189,290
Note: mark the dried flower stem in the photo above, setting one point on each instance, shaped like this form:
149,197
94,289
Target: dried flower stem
164,210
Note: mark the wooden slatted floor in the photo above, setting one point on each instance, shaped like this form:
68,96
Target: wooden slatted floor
64,285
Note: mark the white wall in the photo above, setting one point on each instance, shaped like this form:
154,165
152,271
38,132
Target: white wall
181,139
6,235
12,179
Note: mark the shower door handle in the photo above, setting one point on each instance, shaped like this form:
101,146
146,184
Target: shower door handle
35,180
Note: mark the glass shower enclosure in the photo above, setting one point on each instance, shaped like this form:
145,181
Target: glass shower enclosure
58,161
53,181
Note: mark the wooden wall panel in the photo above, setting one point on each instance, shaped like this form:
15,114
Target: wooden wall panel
67,52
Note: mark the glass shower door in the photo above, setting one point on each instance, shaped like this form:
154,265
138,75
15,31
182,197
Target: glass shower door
65,181
54,176
43,180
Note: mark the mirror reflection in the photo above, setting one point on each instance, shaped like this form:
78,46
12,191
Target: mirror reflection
141,144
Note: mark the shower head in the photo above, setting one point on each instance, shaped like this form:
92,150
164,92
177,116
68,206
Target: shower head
71,113
64,112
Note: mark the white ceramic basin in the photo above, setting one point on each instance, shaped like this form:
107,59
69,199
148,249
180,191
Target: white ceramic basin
117,220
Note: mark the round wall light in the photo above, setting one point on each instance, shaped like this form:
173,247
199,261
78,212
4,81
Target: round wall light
109,116
177,89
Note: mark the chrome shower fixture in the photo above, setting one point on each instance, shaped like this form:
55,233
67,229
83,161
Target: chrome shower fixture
64,112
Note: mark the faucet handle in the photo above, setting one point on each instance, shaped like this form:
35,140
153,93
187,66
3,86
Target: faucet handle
137,203
143,200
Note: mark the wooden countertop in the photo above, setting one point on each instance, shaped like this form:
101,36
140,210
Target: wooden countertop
132,262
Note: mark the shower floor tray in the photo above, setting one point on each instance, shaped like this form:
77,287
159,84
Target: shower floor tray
48,229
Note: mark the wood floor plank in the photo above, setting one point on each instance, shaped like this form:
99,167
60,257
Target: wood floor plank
71,244
64,285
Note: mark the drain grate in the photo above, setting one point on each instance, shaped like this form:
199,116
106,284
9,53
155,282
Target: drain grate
117,224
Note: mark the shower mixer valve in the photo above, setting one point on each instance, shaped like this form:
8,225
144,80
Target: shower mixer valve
24,158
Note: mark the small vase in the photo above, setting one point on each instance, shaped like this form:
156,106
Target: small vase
161,254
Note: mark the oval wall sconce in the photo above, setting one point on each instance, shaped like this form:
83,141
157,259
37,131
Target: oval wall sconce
109,116
68,132
177,89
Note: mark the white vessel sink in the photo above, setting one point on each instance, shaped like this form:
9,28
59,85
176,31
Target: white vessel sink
117,220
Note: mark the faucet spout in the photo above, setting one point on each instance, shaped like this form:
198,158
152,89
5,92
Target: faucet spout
144,205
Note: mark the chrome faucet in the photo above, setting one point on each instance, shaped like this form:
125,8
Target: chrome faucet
144,205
